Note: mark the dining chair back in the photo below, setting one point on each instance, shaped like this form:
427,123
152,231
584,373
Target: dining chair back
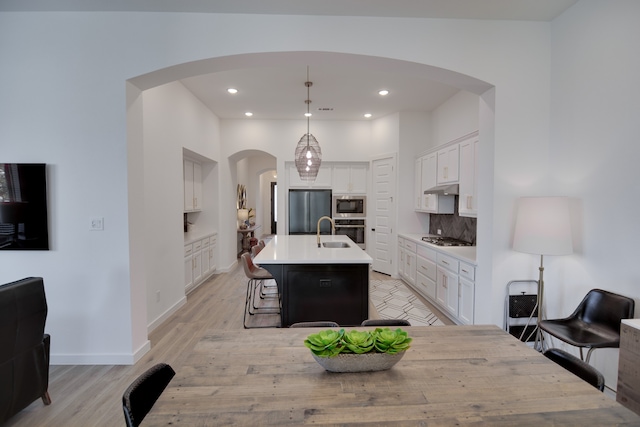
595,323
141,395
386,322
576,366
316,324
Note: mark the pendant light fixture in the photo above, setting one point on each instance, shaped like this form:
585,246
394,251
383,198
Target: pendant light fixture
308,154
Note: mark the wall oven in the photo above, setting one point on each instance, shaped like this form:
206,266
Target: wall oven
353,228
349,207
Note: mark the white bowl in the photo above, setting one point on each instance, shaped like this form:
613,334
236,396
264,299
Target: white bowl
366,362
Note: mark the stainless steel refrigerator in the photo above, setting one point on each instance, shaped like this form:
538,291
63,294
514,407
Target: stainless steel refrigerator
306,207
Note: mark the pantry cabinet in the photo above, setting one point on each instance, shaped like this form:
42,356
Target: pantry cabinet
350,179
192,185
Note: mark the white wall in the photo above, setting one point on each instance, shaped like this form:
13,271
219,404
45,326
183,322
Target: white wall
76,66
261,190
594,155
456,117
174,120
414,137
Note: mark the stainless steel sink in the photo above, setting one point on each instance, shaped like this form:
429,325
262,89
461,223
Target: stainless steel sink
335,245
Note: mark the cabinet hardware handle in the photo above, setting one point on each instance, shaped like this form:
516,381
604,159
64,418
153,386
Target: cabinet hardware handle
445,262
469,204
463,270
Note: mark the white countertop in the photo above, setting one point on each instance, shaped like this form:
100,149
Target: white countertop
464,253
195,235
634,323
303,249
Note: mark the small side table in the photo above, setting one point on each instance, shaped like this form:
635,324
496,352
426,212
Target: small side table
247,234
628,393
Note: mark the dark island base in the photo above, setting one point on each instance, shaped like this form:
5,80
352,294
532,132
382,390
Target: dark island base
312,292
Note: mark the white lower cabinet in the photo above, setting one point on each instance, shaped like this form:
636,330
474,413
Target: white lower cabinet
199,261
466,293
466,296
444,280
188,266
407,264
426,271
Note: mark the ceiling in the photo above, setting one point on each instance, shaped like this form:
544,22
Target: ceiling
527,10
338,93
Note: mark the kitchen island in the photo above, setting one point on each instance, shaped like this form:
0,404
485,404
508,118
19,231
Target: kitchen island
318,283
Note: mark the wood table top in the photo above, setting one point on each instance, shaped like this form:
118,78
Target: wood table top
451,375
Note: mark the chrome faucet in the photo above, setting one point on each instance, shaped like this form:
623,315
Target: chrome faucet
333,226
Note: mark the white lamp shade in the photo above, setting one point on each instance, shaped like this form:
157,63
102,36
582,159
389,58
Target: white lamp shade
543,226
243,214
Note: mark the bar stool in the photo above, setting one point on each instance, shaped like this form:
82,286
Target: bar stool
256,276
255,250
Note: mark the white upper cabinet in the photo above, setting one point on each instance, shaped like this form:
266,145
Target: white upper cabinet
323,179
426,166
192,186
448,163
468,199
350,179
417,185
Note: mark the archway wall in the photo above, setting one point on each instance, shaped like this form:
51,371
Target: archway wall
76,64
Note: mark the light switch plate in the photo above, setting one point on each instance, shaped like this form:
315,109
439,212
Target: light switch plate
96,224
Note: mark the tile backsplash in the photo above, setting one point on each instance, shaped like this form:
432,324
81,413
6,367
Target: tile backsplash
454,225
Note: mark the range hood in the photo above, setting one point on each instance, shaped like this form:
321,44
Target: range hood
447,189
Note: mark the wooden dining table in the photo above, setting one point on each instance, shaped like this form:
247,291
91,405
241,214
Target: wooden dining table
451,375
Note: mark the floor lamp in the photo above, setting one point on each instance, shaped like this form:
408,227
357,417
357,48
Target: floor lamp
542,228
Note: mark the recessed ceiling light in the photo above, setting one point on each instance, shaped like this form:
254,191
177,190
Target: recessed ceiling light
383,92
308,114
367,115
248,114
232,91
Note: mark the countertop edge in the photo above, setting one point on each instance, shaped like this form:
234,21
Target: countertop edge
301,250
194,236
464,253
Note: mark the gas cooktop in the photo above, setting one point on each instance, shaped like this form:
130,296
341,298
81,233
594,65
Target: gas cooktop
445,241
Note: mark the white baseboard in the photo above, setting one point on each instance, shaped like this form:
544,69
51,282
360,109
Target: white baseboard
101,359
229,268
164,316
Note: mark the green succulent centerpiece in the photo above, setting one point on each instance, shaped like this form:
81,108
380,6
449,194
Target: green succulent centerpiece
338,351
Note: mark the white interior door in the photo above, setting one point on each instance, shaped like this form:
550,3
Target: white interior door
383,191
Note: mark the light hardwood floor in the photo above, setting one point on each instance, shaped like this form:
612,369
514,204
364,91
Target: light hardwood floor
92,395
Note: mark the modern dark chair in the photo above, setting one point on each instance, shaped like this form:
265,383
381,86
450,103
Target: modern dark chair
385,322
24,347
317,324
141,395
256,277
576,366
595,323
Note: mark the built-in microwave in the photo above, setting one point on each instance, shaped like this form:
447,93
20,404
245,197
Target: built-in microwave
349,206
